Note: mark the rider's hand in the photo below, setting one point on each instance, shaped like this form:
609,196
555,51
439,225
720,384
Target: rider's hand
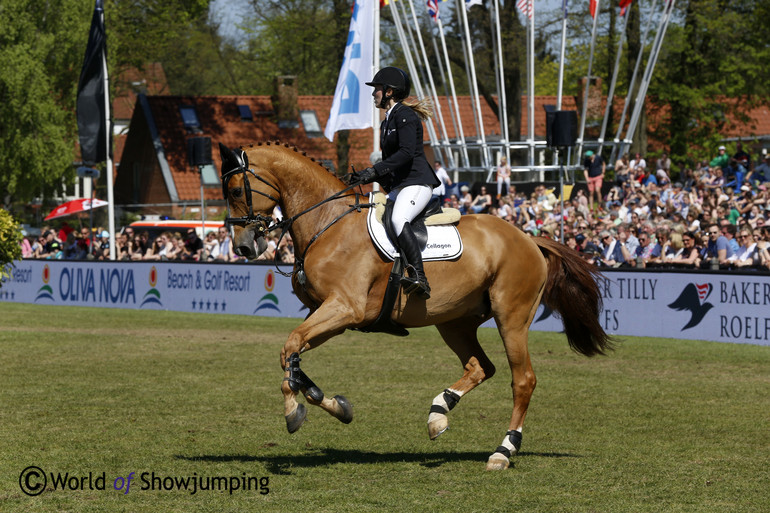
368,175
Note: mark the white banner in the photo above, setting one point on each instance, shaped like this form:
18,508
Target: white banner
352,105
698,306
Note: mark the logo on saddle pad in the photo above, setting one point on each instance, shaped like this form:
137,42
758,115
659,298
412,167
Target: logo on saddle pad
444,241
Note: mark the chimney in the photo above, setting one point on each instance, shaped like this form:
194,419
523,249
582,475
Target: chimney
595,108
285,101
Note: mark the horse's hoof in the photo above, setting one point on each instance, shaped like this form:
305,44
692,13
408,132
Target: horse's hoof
296,418
498,462
437,424
346,414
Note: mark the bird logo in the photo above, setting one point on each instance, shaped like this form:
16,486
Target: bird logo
693,298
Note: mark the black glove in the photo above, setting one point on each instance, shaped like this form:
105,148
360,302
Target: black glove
368,175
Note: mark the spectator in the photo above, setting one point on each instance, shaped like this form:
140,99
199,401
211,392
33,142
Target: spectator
26,245
503,177
136,248
638,162
691,253
193,244
761,173
621,170
721,160
465,200
664,163
121,243
482,202
717,249
71,250
612,254
729,231
741,156
211,246
160,247
747,252
647,251
593,171
225,252
440,190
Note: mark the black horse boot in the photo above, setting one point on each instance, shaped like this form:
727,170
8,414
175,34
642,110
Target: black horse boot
410,251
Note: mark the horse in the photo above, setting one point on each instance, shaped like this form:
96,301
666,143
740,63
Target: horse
502,274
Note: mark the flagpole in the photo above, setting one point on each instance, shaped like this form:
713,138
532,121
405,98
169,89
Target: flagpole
611,92
375,68
433,92
460,134
561,55
584,107
502,96
107,142
475,89
531,93
619,148
646,78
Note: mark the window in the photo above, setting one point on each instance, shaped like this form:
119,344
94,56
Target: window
245,113
310,122
190,118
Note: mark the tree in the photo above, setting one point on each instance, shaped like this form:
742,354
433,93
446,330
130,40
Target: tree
41,48
712,65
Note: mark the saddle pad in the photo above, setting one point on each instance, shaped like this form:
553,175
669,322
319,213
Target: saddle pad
444,241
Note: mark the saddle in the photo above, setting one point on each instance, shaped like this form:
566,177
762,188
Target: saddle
444,244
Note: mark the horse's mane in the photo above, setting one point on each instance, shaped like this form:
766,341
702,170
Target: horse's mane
279,144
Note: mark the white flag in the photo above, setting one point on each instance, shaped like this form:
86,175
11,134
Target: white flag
471,3
352,105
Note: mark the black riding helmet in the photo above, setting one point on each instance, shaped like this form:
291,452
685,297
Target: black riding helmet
394,78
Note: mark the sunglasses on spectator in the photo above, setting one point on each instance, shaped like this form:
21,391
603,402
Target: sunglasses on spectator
713,232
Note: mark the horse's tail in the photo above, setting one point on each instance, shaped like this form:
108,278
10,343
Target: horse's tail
572,291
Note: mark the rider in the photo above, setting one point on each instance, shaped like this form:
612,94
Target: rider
403,172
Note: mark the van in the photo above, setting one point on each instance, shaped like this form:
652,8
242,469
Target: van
155,228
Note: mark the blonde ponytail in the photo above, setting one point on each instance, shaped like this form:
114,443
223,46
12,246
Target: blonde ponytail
423,107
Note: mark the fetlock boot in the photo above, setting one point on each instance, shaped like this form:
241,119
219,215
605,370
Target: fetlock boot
415,282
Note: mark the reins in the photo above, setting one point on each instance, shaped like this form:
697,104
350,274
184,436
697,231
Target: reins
267,224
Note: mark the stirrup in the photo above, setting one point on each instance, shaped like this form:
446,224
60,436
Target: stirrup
414,285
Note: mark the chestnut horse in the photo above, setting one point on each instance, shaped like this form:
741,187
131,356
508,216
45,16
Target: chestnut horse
503,274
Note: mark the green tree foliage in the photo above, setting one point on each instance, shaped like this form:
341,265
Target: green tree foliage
713,67
41,50
10,238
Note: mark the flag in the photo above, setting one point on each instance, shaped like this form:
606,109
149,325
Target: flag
352,104
525,6
433,9
592,8
471,3
384,3
623,6
92,125
564,6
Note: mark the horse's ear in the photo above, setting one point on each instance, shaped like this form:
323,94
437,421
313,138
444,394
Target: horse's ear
229,161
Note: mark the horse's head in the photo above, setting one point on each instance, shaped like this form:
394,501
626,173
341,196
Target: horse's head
250,201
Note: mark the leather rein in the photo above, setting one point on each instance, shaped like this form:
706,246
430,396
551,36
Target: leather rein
265,224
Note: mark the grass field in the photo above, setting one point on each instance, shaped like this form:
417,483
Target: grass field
657,426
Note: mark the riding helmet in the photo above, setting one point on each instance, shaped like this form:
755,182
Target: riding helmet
394,78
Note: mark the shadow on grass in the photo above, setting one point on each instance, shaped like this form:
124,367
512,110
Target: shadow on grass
327,457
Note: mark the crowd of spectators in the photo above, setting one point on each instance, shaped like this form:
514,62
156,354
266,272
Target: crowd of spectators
712,217
85,244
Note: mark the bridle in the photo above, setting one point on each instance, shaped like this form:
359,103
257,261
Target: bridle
264,224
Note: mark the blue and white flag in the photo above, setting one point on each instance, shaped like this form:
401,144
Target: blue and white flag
352,105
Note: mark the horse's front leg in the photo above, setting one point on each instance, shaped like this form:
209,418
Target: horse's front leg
330,319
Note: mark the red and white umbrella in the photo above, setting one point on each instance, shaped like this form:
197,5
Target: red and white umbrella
74,207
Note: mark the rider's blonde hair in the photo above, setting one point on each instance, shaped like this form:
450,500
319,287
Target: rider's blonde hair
423,107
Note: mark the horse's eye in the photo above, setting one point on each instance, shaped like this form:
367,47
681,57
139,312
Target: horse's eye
237,192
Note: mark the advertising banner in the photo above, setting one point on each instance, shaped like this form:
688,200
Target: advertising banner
722,307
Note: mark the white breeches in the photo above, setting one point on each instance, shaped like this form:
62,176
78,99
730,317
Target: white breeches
409,202
500,181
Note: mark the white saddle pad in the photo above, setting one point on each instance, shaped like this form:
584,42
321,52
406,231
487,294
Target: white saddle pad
444,241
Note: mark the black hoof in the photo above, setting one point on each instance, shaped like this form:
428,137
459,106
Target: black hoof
347,409
296,419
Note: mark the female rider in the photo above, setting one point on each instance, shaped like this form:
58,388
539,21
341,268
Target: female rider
403,172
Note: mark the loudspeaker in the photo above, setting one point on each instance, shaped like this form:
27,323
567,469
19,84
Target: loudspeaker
199,151
561,128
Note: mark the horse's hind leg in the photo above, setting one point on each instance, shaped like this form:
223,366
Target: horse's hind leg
460,336
514,329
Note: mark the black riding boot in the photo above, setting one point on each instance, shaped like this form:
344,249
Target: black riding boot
410,251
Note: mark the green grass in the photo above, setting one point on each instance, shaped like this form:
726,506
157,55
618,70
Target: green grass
659,425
